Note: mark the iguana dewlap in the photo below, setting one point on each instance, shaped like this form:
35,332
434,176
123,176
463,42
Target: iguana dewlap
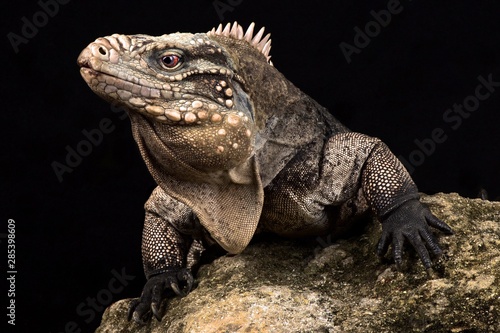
235,147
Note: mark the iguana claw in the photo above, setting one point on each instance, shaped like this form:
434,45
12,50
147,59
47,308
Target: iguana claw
175,287
156,311
411,222
134,312
148,304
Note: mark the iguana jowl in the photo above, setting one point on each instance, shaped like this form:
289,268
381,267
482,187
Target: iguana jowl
235,148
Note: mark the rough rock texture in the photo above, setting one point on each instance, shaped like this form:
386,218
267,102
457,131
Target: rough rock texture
326,285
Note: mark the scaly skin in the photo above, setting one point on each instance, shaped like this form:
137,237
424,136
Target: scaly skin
235,149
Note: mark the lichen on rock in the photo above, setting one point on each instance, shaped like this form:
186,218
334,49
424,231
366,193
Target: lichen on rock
327,285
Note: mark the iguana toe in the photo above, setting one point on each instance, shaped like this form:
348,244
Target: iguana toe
155,290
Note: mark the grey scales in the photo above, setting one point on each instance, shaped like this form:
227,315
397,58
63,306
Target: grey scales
236,149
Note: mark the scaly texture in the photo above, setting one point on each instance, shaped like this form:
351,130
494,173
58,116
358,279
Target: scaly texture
341,286
235,149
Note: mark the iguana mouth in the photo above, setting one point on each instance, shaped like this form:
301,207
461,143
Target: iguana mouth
163,101
83,61
124,89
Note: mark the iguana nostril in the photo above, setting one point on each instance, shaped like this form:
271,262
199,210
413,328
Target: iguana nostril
102,50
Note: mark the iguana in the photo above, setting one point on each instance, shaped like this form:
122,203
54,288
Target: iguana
237,149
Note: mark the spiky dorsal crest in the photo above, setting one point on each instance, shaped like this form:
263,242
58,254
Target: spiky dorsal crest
263,44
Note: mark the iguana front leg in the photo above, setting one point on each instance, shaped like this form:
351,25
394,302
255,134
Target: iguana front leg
350,173
170,228
389,191
394,198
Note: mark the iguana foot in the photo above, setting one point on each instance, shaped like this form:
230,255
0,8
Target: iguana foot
154,292
411,222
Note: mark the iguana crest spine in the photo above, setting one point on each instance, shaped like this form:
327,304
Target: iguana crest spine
263,44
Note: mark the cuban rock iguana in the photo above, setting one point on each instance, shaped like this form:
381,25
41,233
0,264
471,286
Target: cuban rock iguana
236,148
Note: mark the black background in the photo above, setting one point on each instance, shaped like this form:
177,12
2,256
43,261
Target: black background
70,235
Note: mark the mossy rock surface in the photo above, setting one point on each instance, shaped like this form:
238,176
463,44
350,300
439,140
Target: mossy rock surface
328,285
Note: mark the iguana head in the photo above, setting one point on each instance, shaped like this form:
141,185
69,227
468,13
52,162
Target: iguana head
196,104
190,88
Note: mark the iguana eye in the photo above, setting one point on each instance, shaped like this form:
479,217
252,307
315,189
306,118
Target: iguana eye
171,60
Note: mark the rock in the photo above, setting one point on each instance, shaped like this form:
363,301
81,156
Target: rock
329,285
